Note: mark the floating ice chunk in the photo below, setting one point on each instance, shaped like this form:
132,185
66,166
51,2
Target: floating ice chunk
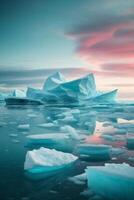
130,141
24,127
112,181
53,81
46,125
124,121
13,135
47,161
47,138
95,152
112,137
79,179
15,141
32,115
71,131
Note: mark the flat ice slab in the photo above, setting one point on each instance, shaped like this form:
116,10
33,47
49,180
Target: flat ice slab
47,138
112,181
95,152
47,161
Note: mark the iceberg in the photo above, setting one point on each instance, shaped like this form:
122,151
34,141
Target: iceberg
57,90
112,181
44,162
95,152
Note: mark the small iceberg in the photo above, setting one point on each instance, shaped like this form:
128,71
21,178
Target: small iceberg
112,181
46,125
51,138
45,162
95,152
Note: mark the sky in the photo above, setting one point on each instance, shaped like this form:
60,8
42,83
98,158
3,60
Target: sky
38,37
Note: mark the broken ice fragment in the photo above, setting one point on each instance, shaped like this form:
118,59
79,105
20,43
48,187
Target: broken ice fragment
46,125
24,127
51,138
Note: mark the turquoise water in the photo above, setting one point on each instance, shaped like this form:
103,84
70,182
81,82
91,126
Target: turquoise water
101,124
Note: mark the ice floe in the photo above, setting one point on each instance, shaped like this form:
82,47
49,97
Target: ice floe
95,152
45,161
47,138
112,181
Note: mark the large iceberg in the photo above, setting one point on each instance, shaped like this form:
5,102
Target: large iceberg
112,181
57,90
45,162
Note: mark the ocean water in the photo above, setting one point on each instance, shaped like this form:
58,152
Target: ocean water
100,124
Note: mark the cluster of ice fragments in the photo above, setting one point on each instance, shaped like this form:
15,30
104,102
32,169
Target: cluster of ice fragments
57,90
